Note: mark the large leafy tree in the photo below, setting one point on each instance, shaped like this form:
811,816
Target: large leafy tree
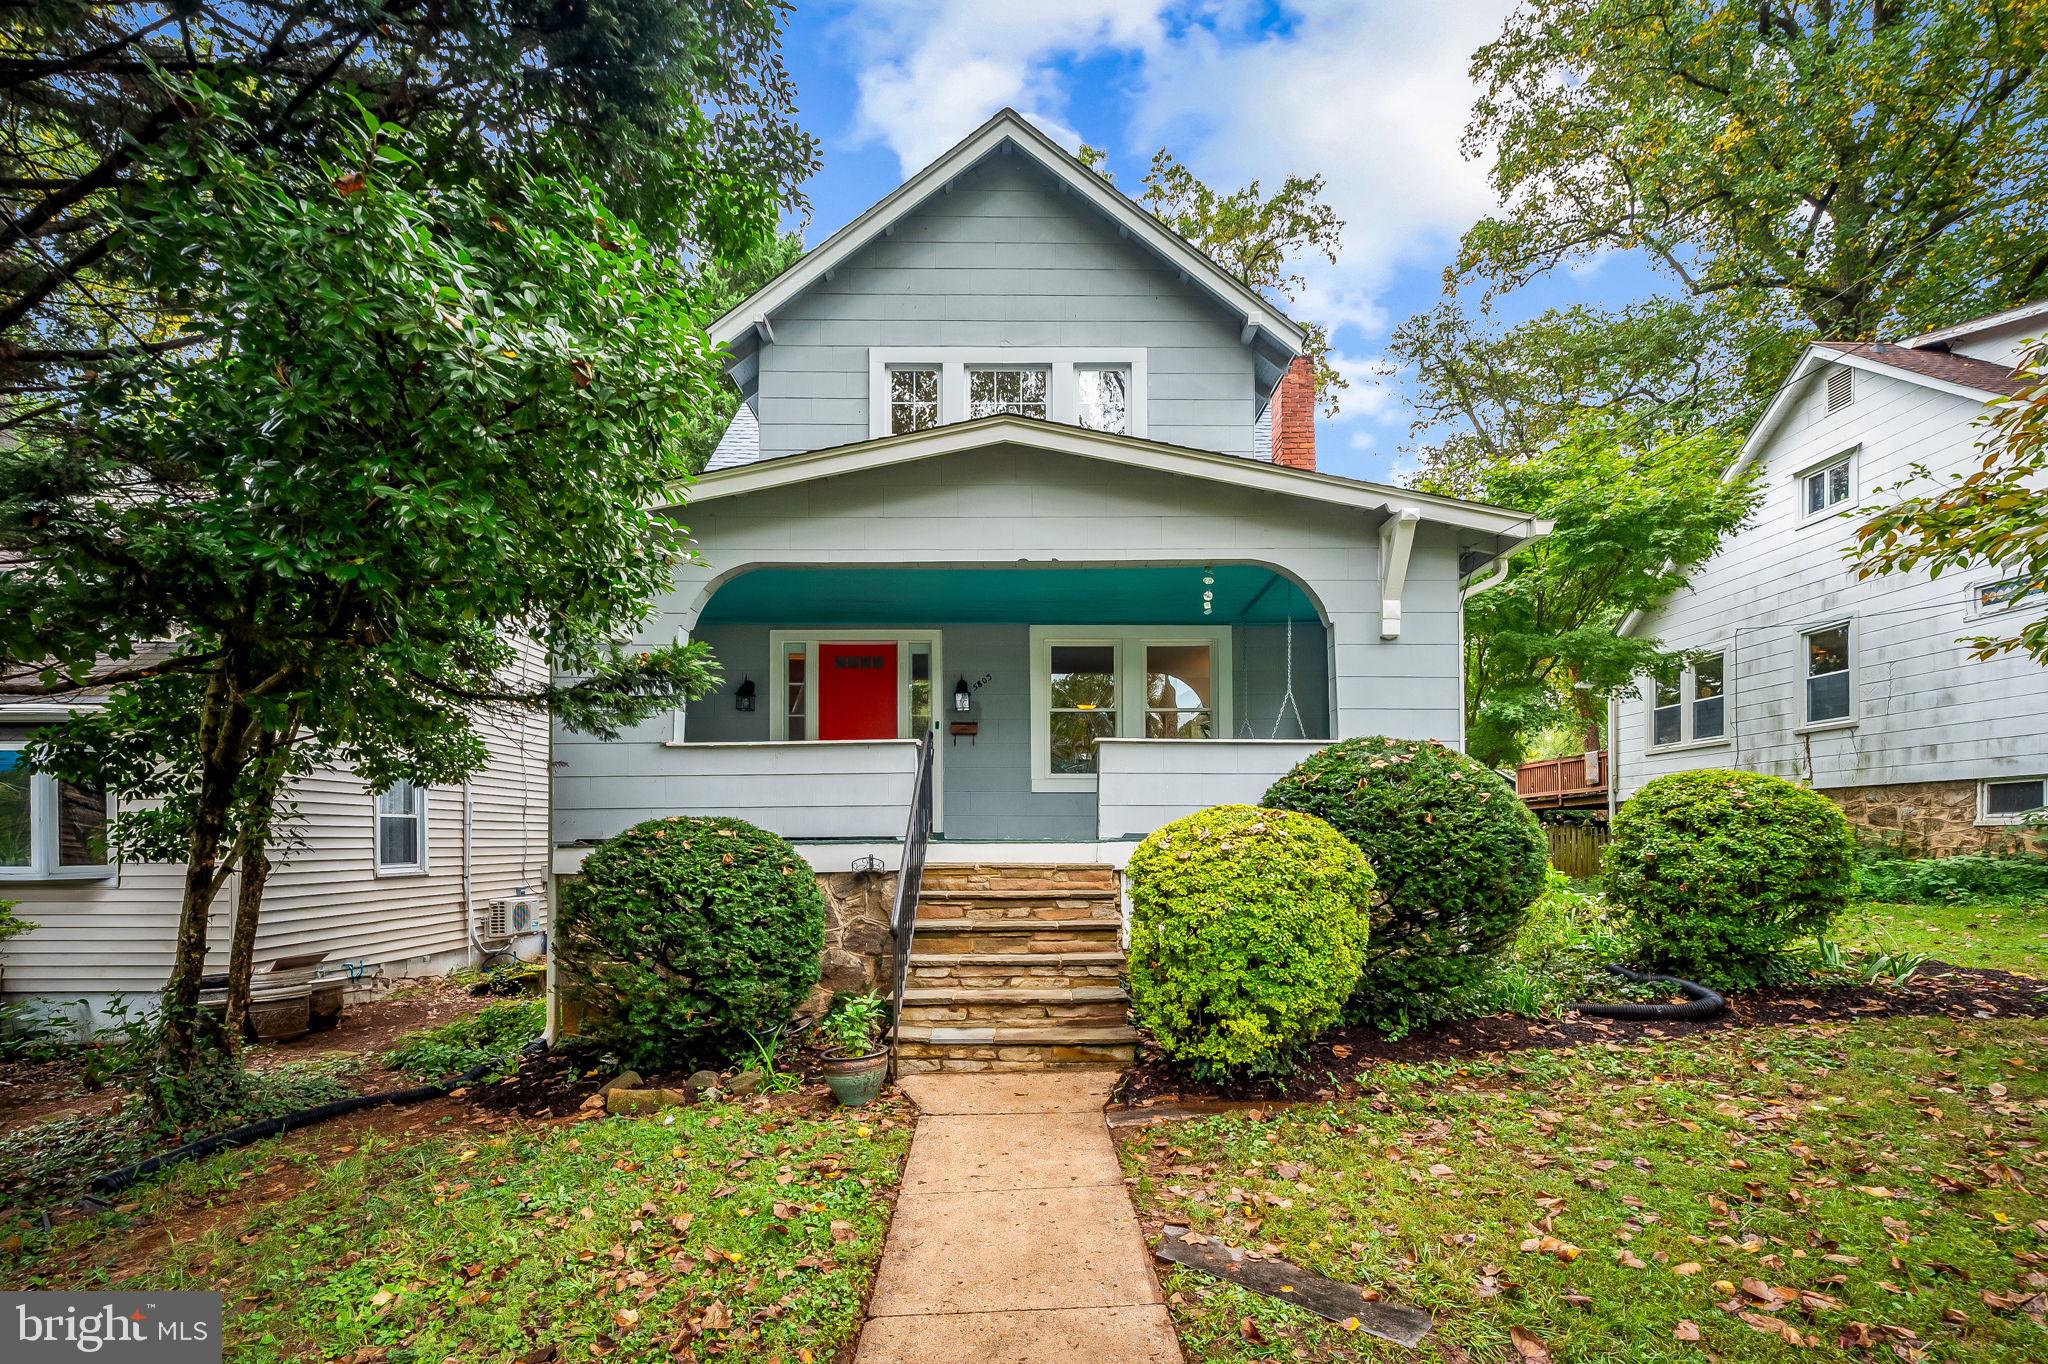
422,419
1862,166
1995,514
1632,519
682,111
1259,237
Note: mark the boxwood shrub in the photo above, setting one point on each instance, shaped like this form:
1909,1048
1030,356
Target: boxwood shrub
1459,860
1715,870
1248,929
683,935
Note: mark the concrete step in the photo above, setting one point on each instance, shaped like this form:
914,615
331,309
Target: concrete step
951,937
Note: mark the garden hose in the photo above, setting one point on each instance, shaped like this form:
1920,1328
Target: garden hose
1701,1002
116,1180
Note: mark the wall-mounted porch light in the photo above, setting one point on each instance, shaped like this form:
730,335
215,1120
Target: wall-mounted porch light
963,698
743,696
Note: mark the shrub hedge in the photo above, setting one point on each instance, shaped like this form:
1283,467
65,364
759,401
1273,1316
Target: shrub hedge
1248,930
1458,857
683,935
1715,870
1967,878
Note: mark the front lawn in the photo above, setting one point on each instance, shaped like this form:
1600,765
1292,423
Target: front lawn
1866,1191
750,1232
2012,937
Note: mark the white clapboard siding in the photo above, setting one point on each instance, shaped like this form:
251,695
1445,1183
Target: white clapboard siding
1925,710
1144,783
840,789
101,938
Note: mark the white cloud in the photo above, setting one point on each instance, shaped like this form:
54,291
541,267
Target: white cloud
1374,96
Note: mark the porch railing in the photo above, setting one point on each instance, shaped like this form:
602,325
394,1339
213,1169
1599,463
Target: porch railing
903,916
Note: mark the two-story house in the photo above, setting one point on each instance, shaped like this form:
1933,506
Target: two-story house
1022,473
1860,687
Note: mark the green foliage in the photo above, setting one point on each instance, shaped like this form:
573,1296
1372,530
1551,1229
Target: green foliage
683,935
1457,856
1715,871
715,289
1970,878
1865,167
1994,515
10,923
1541,649
494,1033
1248,931
854,1025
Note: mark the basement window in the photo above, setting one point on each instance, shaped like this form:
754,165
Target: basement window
2012,802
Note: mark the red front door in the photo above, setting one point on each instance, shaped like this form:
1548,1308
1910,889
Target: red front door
857,691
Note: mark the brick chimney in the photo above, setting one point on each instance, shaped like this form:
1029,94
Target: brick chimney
1294,416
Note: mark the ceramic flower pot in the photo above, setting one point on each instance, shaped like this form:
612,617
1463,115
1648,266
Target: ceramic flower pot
856,1080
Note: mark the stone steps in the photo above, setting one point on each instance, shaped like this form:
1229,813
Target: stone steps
1016,968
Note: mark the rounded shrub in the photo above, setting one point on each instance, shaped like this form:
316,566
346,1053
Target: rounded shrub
1247,930
683,935
1459,860
1714,871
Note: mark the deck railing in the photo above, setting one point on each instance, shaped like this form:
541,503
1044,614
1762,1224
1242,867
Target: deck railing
1561,783
903,916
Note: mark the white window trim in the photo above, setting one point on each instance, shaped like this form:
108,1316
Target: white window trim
781,643
1130,642
1799,672
953,362
420,868
42,852
1984,816
1974,611
1850,457
1686,701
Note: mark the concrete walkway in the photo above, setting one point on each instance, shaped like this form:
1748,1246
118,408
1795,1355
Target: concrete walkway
1014,1240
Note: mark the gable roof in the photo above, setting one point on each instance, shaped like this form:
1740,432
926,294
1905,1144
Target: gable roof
1511,528
1975,326
1937,363
741,443
1008,129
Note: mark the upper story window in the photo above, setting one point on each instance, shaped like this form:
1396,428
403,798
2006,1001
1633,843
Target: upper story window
915,388
1691,708
49,829
1826,487
1830,693
402,828
913,398
1022,390
2006,594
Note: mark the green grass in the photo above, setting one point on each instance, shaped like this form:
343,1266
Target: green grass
751,1235
1901,1149
2007,937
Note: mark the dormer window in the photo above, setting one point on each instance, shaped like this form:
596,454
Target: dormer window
1020,390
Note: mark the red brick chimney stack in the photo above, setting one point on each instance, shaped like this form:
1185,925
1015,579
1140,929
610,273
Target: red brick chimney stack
1294,416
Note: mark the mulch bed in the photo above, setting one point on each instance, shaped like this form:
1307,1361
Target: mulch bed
558,1085
1938,989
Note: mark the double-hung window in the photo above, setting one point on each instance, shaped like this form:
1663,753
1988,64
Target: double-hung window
1827,486
1020,390
1691,708
402,828
1121,682
1828,663
49,829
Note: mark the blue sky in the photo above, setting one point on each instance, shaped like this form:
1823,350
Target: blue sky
1371,93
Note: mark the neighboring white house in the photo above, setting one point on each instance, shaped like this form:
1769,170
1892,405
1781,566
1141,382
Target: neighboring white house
1022,470
1858,687
407,881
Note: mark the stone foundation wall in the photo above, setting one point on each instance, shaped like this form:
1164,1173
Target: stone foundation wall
1926,818
857,956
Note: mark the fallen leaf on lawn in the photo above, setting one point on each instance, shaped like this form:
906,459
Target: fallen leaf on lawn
1685,1330
717,1317
1689,1267
1528,1348
1772,1326
842,1231
1249,1329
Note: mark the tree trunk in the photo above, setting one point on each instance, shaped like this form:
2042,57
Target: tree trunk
221,721
270,768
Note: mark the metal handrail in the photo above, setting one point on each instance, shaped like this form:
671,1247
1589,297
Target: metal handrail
903,916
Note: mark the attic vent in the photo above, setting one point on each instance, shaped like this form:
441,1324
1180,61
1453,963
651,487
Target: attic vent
1841,390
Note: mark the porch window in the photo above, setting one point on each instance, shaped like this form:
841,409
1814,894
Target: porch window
1021,390
49,828
1145,682
1103,398
913,398
401,828
1828,674
1084,693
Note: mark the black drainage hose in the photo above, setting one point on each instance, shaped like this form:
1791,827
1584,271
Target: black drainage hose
1701,1002
116,1180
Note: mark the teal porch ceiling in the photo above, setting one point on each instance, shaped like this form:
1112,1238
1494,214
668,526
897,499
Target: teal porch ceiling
1030,595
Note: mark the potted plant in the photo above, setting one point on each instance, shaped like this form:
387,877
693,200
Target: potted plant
856,1063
